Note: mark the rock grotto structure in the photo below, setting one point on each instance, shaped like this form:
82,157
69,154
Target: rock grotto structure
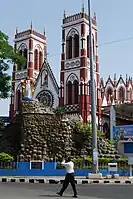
37,133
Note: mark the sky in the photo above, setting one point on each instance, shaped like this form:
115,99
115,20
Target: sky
114,19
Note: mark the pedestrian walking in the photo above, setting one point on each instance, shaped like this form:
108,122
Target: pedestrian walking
69,178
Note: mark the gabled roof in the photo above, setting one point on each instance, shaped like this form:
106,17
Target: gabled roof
50,73
109,80
121,80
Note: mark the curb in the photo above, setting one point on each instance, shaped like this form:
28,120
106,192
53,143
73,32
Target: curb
53,181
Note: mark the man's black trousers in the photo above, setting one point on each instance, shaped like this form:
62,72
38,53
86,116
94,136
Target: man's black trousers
69,179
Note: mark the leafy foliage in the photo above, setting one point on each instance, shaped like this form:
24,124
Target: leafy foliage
7,56
4,157
86,129
59,111
82,133
102,161
1,126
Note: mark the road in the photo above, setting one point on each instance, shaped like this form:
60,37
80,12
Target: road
46,191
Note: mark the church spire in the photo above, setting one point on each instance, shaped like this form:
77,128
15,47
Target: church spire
83,6
44,31
31,25
16,30
64,15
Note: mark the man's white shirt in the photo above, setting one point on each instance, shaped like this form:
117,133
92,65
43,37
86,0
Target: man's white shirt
69,166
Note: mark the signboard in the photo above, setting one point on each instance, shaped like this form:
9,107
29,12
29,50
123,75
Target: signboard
122,132
112,167
130,160
112,120
36,165
128,147
125,147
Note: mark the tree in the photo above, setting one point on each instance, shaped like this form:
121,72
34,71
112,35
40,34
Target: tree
1,125
82,133
7,56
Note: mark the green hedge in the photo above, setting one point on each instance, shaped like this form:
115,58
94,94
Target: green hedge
101,160
4,157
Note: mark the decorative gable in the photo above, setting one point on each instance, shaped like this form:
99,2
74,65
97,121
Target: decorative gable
120,82
46,87
109,83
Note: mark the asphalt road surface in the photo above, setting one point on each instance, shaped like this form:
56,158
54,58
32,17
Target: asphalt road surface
47,191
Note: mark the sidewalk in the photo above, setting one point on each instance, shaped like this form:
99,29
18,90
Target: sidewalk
58,180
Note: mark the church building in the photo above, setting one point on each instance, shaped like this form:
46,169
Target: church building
73,93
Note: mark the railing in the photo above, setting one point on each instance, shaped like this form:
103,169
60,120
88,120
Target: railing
78,165
8,165
88,165
77,17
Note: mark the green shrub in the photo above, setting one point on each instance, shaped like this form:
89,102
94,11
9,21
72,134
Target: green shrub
59,111
112,142
2,125
4,157
99,133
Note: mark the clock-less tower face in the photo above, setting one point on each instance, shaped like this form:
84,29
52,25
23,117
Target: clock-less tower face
46,97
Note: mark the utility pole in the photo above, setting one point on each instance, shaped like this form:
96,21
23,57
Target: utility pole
93,99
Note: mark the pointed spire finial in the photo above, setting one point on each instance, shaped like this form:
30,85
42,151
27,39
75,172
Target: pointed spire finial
115,77
64,14
16,30
83,7
31,25
126,78
95,17
44,31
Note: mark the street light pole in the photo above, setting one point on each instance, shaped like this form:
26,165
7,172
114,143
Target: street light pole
93,98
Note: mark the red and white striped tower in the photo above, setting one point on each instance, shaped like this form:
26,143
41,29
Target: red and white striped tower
75,66
31,45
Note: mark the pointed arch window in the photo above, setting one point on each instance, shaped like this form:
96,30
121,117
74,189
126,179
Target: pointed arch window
69,47
23,52
76,45
75,94
69,95
20,52
40,59
88,46
121,94
25,56
18,66
36,61
109,93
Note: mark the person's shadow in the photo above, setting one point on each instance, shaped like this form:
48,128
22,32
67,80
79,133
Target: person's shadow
54,196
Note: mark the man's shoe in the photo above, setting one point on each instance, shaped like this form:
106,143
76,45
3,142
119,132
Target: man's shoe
75,196
59,194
